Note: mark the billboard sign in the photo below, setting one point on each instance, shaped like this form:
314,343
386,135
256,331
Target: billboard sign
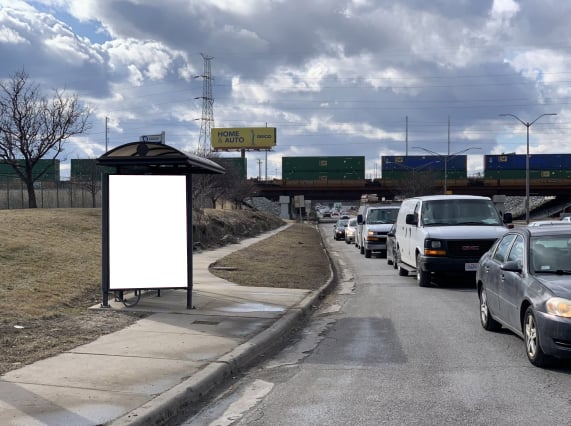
243,138
160,138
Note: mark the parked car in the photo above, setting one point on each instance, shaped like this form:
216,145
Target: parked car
524,285
566,219
339,232
392,252
350,230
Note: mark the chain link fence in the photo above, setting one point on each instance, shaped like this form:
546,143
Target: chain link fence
51,195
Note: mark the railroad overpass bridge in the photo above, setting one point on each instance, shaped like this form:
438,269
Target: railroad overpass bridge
322,191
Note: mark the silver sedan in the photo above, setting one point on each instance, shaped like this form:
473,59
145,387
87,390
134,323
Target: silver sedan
524,285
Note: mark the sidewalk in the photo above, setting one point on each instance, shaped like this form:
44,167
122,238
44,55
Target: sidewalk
145,373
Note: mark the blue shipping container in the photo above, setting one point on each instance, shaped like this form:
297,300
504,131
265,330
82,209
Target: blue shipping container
536,162
425,162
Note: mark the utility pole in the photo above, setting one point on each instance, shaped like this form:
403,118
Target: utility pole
106,133
406,136
260,169
207,118
446,161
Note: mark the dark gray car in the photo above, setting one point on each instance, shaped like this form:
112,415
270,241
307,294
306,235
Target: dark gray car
524,285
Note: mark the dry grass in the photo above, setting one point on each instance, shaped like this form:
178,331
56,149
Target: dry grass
50,269
49,260
291,259
50,264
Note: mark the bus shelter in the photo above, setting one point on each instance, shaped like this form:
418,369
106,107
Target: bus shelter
147,217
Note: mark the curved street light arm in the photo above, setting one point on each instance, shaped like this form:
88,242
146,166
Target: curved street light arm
518,119
552,113
523,122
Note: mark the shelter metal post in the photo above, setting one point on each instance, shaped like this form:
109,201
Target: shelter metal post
189,240
105,242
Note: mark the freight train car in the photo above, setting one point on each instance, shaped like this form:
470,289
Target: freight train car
323,170
510,169
44,170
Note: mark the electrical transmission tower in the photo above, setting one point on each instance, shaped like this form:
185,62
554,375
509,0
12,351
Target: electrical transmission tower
207,119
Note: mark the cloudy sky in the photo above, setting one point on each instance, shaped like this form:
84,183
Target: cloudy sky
335,77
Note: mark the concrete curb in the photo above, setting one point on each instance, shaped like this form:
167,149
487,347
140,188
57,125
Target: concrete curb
176,400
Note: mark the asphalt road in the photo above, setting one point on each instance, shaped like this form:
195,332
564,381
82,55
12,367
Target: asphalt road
382,350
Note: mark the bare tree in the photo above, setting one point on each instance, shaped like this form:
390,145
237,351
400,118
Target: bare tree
33,127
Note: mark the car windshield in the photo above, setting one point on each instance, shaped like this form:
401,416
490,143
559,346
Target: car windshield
551,254
380,216
459,212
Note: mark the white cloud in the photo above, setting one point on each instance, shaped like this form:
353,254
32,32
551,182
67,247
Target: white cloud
351,71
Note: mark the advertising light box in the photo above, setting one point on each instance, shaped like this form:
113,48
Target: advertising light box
147,232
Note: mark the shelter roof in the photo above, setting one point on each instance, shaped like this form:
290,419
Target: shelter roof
156,158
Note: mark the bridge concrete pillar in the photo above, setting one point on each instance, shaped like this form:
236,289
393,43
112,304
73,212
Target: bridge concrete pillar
500,203
284,207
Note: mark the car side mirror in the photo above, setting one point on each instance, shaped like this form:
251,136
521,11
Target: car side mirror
360,219
508,218
411,219
511,266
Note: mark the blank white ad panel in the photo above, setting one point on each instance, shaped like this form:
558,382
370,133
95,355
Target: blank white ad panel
147,232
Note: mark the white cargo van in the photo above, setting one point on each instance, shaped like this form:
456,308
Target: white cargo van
373,224
445,234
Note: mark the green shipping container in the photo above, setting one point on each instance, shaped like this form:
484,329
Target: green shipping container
395,175
47,170
87,170
533,174
311,176
237,163
333,167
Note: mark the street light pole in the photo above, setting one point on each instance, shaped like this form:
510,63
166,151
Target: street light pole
446,157
446,161
527,125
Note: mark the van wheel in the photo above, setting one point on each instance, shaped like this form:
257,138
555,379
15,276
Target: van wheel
423,277
367,254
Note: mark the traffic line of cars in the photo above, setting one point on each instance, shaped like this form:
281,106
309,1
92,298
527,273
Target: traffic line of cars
522,274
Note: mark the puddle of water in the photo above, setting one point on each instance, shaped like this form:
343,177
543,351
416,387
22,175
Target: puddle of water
252,307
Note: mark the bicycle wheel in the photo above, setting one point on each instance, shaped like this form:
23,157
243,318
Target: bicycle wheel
130,297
